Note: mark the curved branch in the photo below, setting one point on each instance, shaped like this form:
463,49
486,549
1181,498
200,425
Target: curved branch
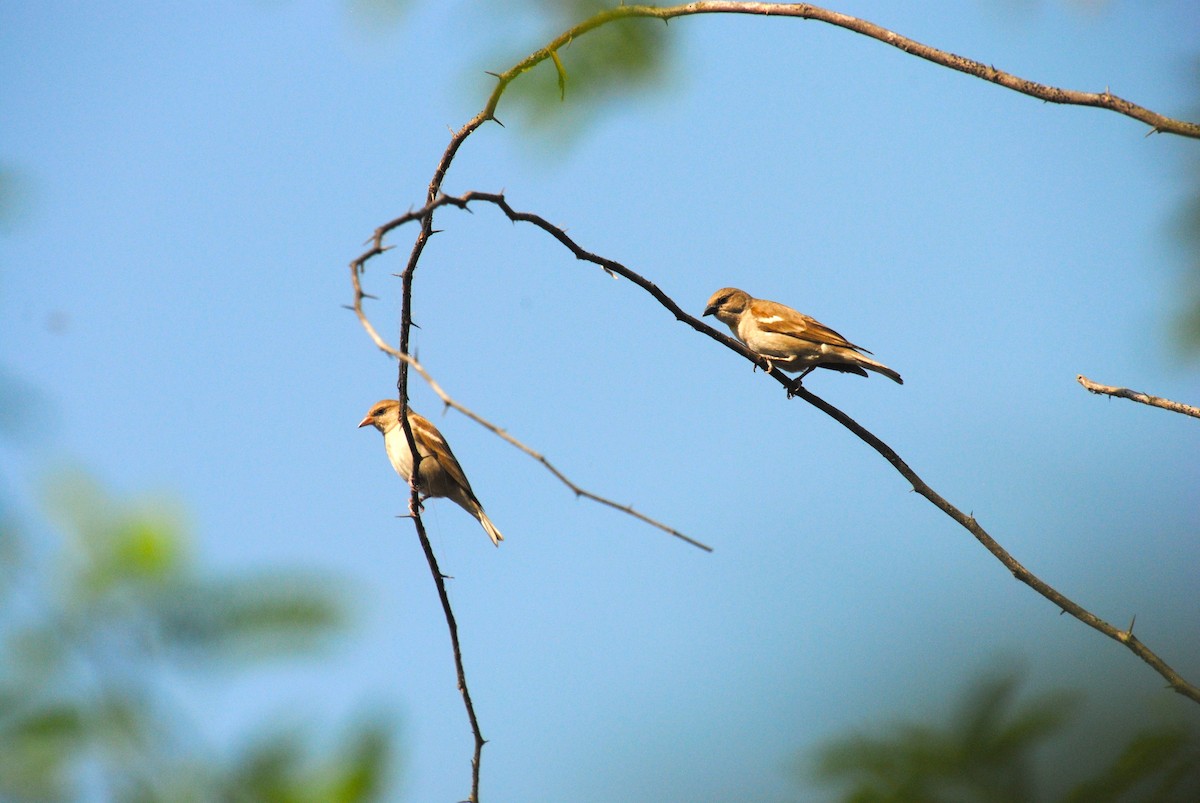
1133,395
1051,94
1126,637
448,401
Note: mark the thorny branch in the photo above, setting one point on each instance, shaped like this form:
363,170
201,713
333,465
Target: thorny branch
434,198
968,522
414,509
500,432
1133,395
1050,94
439,580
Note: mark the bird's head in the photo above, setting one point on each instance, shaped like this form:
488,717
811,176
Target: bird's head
727,304
383,415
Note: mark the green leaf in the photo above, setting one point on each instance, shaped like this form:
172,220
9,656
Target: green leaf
611,62
562,75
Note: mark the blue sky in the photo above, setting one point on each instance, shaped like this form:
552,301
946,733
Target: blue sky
195,184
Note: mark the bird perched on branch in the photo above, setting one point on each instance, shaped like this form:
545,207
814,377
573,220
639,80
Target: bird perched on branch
441,475
789,340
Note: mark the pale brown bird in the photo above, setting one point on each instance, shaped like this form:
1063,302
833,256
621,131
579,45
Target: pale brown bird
441,475
790,340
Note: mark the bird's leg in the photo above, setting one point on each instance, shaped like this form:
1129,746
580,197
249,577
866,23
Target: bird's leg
798,382
770,365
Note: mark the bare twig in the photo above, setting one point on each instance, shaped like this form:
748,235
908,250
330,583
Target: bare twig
500,432
1126,637
1133,395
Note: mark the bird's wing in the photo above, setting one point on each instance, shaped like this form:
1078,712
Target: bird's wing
779,319
440,451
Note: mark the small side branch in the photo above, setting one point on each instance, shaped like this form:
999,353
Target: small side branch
414,364
1133,395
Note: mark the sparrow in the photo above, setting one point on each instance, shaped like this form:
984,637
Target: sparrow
788,339
441,475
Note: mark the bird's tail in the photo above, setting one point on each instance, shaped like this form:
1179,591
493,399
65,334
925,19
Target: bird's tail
489,528
879,368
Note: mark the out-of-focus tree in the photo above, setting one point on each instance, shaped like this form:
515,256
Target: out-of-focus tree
94,630
612,62
988,752
1190,231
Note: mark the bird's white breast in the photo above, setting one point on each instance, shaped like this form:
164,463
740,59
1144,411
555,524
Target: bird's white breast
398,452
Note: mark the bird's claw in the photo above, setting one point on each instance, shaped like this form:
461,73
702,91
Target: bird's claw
797,384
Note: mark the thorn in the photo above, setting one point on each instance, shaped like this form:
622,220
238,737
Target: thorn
347,306
496,120
368,295
434,231
495,75
1131,621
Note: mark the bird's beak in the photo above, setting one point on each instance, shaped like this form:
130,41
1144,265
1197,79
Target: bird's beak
709,310
365,422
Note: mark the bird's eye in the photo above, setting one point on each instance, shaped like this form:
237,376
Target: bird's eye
378,411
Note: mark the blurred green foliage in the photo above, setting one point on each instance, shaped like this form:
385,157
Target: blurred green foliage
13,198
987,753
565,92
610,62
1189,329
94,632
